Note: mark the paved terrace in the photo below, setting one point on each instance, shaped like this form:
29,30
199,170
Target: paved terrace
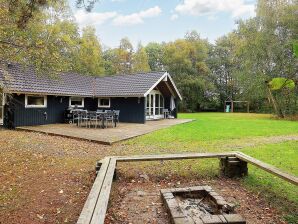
106,136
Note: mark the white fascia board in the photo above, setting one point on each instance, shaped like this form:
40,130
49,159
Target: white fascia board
155,84
172,81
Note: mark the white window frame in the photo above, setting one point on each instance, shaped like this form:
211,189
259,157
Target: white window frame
152,105
45,101
104,106
82,102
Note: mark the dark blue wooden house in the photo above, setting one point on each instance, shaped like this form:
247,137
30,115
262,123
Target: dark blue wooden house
30,99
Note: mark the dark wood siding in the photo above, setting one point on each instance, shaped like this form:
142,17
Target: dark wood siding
54,113
132,109
90,104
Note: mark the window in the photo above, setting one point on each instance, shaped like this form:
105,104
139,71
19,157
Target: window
104,102
154,104
35,101
76,101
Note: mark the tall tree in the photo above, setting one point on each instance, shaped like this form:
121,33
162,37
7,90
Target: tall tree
223,62
110,58
140,60
124,57
155,53
186,59
47,43
24,11
89,58
266,50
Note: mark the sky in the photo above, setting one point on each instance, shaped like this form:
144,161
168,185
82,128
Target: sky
164,20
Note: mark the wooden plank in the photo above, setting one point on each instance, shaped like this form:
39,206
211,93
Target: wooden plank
172,156
88,209
103,199
95,208
269,168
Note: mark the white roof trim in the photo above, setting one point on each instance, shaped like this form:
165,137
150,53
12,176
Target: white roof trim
166,75
178,93
155,84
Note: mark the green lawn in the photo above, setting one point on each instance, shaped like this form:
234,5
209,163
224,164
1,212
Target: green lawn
261,136
215,132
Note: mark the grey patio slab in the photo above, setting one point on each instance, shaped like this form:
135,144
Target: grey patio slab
107,136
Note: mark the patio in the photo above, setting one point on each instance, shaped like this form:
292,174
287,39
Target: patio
107,136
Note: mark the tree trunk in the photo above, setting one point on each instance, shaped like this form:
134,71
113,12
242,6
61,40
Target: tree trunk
277,110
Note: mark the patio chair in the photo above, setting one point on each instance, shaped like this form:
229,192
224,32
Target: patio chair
101,119
166,113
75,116
99,111
109,117
116,116
93,118
84,117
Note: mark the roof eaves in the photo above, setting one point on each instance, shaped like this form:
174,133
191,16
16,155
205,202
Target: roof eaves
177,91
155,84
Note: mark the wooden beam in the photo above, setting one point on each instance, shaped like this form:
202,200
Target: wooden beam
88,209
95,208
102,203
269,168
172,156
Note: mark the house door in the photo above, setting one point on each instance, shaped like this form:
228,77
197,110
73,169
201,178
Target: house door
154,105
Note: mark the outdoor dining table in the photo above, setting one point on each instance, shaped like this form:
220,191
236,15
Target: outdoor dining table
98,113
103,117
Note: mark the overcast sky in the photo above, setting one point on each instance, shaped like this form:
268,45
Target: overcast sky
164,20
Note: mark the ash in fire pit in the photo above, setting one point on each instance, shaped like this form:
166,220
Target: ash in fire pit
199,205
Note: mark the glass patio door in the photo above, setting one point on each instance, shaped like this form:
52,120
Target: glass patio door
154,105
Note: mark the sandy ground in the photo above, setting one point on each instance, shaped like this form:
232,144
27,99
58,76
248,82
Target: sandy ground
137,200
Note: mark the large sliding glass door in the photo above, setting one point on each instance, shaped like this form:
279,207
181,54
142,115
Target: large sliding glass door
154,105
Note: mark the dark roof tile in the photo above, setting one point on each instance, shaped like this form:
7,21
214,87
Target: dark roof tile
20,80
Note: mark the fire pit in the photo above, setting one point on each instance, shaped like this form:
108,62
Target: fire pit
199,205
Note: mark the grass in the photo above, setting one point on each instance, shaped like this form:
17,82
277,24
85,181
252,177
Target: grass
261,136
210,130
284,156
35,167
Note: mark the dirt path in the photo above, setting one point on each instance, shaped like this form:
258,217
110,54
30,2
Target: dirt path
257,141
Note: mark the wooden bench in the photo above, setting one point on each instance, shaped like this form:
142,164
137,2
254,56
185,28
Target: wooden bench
95,207
94,210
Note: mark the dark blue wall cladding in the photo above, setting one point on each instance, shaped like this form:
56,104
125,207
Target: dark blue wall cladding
131,110
90,104
56,106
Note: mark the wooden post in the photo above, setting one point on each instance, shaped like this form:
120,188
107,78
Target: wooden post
232,106
233,167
